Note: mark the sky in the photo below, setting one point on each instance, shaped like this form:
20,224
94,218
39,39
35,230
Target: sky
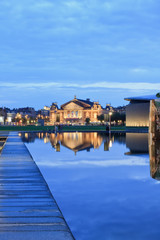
104,50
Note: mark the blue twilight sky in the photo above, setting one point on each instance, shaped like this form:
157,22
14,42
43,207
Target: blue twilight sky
102,49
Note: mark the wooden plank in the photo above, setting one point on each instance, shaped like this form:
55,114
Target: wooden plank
27,208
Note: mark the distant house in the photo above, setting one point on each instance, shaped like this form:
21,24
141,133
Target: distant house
75,111
109,108
137,111
10,117
2,115
1,120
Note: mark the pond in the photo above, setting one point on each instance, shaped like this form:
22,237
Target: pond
106,186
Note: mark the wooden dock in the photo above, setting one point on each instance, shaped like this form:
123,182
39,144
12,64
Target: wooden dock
28,210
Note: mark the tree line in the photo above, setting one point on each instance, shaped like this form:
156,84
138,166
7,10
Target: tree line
116,117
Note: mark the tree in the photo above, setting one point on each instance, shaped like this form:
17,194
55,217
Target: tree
13,120
46,119
118,117
32,119
87,120
123,117
158,95
17,119
100,117
24,120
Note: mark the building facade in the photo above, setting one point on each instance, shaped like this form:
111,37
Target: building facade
138,111
75,111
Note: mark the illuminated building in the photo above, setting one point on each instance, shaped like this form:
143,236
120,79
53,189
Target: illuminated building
75,111
137,111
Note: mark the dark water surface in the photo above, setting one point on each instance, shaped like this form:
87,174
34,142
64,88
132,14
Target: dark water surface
102,183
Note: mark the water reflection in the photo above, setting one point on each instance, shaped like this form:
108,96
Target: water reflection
75,141
112,188
136,143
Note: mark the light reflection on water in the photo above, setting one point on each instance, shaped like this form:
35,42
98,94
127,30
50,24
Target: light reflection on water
102,183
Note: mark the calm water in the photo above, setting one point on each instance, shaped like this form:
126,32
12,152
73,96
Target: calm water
102,184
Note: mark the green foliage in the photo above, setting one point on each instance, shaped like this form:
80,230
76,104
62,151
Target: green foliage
88,128
158,95
24,120
31,119
106,117
118,117
17,119
87,120
100,117
13,120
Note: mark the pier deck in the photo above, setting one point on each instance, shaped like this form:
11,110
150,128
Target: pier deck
28,210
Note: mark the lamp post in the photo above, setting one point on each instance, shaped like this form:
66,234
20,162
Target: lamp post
110,114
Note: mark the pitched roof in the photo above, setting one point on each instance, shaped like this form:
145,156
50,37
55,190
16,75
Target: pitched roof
54,105
86,102
80,102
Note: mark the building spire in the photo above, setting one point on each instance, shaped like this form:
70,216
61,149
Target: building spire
75,97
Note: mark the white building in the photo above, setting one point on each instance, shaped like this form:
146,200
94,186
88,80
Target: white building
137,111
1,120
10,116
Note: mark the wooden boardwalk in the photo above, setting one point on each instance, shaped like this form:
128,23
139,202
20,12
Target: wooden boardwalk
28,210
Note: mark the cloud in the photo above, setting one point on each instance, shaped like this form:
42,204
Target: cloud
139,70
109,163
98,85
87,41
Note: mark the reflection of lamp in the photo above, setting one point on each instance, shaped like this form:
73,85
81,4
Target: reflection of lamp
110,114
110,143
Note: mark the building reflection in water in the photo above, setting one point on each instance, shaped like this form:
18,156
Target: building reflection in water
137,143
31,136
75,141
78,141
108,142
143,144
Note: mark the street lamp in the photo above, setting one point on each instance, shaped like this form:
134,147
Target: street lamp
110,114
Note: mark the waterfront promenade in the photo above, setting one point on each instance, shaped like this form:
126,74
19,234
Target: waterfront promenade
28,210
80,128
